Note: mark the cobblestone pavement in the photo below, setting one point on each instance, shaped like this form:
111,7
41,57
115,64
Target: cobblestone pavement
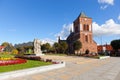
80,68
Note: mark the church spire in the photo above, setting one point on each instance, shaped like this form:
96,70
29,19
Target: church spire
58,39
70,31
82,14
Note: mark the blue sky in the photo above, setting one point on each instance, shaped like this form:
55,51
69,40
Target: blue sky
23,20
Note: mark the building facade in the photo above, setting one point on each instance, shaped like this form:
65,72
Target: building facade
103,48
1,48
82,31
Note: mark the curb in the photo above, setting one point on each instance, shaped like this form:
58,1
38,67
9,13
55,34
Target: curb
104,57
29,71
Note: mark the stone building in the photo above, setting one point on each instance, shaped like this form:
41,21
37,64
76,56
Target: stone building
82,30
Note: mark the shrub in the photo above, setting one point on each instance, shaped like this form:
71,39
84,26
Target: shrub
14,51
29,57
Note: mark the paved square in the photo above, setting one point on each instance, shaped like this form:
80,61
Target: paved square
80,68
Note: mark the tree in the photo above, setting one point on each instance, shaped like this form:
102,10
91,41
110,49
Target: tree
4,44
8,47
46,47
21,50
56,46
77,45
43,47
116,45
63,47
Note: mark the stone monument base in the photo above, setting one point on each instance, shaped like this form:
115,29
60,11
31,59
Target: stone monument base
39,54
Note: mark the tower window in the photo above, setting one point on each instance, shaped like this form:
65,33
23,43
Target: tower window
86,27
86,38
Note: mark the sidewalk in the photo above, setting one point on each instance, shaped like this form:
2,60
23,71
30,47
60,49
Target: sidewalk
80,68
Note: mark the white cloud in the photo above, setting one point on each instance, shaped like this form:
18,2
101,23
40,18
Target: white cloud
111,2
103,7
105,3
119,17
47,40
65,31
108,28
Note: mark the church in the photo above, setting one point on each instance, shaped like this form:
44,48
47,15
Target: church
82,30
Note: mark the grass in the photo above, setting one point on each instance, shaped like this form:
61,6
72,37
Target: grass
29,64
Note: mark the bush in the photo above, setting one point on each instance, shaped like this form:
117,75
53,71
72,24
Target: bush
29,57
14,51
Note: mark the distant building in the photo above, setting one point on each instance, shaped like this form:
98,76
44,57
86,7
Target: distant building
101,48
82,31
1,48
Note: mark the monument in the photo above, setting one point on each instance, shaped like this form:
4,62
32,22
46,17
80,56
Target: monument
37,47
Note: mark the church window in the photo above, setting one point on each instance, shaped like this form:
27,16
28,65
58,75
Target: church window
86,27
86,38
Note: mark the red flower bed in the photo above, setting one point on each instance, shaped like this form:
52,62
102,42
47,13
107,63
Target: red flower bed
12,62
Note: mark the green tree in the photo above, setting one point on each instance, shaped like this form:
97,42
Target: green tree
8,47
56,47
21,50
116,45
46,47
5,44
77,45
63,47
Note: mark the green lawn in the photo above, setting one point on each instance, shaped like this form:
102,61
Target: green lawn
29,64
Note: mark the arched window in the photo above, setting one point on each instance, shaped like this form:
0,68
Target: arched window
86,27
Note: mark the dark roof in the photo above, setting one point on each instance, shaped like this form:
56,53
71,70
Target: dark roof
82,14
71,34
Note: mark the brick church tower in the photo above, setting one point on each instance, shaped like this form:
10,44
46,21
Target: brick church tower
82,30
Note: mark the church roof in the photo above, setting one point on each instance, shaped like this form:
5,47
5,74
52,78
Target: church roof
82,14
